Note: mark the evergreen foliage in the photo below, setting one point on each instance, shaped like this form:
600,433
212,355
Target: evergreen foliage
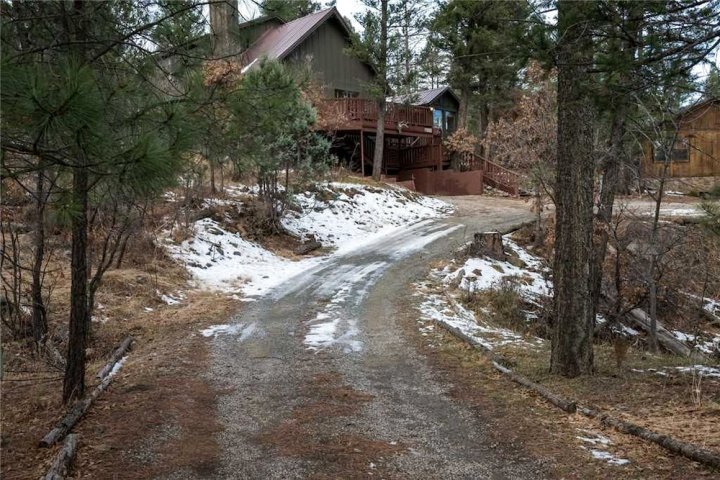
290,10
275,123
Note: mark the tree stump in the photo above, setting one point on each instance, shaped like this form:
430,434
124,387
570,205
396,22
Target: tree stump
488,244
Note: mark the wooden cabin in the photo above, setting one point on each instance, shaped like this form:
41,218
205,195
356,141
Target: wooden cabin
414,126
694,162
319,39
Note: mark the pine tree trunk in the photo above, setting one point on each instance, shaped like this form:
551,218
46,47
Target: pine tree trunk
611,172
74,383
572,350
626,52
652,274
463,108
39,318
380,133
379,142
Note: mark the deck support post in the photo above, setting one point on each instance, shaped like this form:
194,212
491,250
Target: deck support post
362,153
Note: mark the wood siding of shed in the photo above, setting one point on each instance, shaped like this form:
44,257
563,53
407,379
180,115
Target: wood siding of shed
702,128
331,65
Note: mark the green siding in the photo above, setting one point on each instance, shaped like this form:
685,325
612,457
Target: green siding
250,33
335,69
446,102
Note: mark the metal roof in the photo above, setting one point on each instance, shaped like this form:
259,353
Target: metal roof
423,97
278,42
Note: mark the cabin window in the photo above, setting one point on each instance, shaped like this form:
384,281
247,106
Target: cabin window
438,118
346,93
680,152
450,121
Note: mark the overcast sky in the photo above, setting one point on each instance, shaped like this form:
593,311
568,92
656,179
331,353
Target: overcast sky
348,9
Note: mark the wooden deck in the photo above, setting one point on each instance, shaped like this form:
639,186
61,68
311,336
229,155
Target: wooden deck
400,119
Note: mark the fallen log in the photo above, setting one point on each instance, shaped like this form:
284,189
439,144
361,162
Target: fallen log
688,450
115,357
82,405
693,452
641,319
75,413
61,465
557,400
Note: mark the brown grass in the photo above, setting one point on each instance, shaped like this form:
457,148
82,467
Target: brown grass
524,425
158,413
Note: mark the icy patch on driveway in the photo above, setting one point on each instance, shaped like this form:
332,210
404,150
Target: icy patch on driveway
242,331
336,324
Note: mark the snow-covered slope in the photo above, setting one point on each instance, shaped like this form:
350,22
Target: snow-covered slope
337,215
338,212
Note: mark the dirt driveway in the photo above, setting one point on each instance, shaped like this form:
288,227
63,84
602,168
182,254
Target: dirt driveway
322,381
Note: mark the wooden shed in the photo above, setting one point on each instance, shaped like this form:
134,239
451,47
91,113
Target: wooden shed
695,158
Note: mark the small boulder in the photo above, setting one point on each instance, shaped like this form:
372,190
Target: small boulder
309,245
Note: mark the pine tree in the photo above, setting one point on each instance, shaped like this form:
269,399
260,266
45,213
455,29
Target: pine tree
90,102
573,319
373,47
289,10
711,86
484,41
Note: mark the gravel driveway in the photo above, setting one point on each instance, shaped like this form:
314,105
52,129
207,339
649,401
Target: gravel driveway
321,381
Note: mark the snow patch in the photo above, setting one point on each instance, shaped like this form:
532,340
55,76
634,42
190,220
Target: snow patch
242,331
700,370
608,457
478,274
438,309
116,368
346,216
340,212
225,261
597,440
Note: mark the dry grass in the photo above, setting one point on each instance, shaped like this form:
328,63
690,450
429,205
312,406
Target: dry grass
158,411
662,403
524,425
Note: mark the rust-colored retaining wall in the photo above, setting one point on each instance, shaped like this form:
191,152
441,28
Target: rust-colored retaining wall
445,182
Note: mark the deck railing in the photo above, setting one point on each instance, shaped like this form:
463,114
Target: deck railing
494,175
396,115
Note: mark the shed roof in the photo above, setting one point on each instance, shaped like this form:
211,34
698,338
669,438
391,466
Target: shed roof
278,42
425,97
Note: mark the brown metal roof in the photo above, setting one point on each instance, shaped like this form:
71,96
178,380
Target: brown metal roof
279,42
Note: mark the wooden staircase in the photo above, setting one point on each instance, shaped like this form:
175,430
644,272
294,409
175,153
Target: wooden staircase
495,175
